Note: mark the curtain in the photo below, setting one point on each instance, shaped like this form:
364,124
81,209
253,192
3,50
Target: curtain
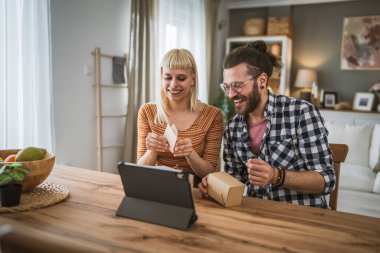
182,25
25,74
141,69
211,13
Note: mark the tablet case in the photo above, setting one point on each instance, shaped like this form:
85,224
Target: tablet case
156,195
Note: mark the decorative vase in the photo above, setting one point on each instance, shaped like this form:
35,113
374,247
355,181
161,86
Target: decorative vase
10,195
376,89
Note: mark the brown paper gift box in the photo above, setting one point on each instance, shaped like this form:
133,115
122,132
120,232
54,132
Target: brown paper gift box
225,189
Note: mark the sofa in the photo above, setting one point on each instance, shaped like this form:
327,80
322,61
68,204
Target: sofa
359,186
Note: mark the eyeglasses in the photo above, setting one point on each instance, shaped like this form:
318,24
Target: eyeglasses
236,86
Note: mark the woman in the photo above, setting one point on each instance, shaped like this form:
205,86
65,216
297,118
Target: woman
200,126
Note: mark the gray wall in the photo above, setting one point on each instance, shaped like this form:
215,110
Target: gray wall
318,34
317,41
78,27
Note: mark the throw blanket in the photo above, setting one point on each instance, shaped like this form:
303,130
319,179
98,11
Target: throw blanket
118,69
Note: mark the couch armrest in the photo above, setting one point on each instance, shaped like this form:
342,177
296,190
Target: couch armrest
376,185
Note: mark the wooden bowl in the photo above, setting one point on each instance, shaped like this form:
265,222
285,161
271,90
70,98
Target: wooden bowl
40,169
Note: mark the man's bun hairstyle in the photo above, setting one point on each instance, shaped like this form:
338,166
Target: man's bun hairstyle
254,54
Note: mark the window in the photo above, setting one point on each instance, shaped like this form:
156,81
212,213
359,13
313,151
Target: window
182,25
25,75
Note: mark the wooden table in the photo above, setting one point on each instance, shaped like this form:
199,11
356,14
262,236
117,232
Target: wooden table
87,218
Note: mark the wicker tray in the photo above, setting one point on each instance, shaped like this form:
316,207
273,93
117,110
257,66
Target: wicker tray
45,194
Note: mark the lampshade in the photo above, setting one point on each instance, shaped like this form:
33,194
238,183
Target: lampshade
305,78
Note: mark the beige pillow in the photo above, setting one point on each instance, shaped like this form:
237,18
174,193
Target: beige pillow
357,137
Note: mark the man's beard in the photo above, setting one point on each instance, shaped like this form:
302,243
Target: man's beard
253,101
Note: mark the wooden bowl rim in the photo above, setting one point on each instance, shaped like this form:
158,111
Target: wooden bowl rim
48,156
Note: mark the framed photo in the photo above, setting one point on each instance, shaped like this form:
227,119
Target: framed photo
330,99
363,101
360,43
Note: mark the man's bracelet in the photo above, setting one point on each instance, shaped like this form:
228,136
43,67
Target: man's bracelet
283,177
280,178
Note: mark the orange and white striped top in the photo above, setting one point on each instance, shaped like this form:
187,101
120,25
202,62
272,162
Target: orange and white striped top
205,134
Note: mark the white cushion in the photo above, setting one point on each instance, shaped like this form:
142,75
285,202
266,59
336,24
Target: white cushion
357,137
374,151
356,177
376,185
363,203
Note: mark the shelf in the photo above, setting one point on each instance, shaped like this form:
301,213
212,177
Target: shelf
244,4
348,111
350,116
100,117
273,38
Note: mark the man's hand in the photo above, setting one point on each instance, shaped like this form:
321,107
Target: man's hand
156,143
202,186
260,172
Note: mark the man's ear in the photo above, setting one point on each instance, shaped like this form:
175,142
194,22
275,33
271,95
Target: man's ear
262,81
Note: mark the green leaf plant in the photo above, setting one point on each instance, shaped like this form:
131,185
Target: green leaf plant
11,173
226,106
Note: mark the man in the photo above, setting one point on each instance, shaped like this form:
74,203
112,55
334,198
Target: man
276,145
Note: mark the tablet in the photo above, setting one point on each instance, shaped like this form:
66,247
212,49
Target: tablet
157,195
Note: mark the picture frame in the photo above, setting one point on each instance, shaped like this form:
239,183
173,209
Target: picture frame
330,99
363,101
360,40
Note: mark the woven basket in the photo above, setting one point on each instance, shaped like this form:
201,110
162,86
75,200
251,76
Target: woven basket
280,26
254,26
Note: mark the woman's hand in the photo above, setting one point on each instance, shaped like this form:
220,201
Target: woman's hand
202,186
156,143
183,147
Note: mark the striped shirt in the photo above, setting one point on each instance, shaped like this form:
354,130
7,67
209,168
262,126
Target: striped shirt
205,134
295,139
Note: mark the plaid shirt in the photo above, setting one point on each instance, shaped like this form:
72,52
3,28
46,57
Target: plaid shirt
295,139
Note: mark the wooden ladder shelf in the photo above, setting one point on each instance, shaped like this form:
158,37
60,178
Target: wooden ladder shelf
99,112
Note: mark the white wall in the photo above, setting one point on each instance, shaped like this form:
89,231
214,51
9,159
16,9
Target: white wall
77,28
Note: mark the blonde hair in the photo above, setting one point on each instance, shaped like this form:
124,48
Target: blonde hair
176,59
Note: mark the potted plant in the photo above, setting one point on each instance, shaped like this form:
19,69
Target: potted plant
11,176
226,106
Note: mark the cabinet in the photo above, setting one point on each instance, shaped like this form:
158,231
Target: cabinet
279,45
351,117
